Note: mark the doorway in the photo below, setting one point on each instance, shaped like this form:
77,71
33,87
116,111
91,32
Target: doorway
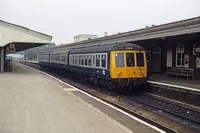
156,60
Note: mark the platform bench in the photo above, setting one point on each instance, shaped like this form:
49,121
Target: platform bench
181,72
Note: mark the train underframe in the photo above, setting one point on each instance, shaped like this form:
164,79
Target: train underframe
120,85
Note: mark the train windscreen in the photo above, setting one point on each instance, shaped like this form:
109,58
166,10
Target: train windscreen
140,59
119,58
130,60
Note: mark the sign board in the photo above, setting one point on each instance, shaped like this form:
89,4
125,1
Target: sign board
169,58
10,48
197,50
198,62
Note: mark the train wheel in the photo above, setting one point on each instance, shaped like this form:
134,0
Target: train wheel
96,81
119,88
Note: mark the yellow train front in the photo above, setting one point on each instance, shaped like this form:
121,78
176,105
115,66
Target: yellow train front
122,66
128,68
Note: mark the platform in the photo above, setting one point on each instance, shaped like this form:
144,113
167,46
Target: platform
33,102
185,83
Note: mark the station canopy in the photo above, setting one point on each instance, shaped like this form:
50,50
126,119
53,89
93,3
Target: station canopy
17,38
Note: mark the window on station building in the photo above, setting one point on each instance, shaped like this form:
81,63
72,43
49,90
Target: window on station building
119,59
180,55
194,48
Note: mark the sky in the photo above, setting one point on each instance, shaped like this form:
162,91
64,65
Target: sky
64,19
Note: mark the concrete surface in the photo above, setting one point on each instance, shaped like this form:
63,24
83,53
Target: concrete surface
162,78
31,102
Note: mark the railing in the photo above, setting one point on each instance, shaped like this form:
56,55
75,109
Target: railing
181,72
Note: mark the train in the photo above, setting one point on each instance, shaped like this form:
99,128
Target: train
119,66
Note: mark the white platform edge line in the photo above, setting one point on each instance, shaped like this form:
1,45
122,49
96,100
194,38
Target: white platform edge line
115,122
123,112
176,86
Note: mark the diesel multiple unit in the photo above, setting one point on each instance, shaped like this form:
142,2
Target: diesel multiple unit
122,66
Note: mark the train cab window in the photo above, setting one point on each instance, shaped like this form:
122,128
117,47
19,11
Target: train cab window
119,59
140,59
130,60
103,61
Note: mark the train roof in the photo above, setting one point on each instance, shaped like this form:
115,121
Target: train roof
106,48
61,51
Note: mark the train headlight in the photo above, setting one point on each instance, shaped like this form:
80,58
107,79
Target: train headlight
141,73
119,74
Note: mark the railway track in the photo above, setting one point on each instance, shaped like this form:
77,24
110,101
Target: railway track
187,116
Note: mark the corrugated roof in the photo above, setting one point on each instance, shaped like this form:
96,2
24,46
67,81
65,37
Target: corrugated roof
25,28
162,27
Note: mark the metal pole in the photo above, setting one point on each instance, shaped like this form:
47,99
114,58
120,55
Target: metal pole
2,59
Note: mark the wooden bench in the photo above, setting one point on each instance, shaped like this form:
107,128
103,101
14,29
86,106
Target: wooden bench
181,72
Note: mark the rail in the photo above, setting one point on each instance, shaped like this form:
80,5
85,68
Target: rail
185,115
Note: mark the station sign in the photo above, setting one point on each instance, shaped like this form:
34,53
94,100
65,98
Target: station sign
197,49
10,48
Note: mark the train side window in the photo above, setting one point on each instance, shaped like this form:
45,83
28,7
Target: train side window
58,58
97,60
103,61
82,61
119,59
130,60
62,58
72,60
55,58
90,60
76,59
94,59
79,60
140,59
86,63
66,59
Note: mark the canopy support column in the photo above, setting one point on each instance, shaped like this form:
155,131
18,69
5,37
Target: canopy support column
2,59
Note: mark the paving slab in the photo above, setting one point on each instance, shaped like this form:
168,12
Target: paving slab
31,102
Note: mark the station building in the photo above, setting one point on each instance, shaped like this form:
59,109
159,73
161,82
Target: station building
82,37
15,38
172,45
